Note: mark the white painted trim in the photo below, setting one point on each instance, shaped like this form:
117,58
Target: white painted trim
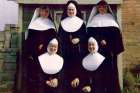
64,1
55,14
84,16
20,24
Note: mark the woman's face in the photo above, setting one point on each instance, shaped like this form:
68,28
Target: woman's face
52,48
71,11
44,13
91,47
102,9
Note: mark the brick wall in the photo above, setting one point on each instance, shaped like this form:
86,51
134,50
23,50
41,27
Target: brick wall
131,32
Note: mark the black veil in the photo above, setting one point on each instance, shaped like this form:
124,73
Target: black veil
64,15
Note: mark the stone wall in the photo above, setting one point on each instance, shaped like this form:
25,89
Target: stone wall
8,48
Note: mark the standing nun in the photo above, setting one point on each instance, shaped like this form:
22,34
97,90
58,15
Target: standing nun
103,26
72,32
40,31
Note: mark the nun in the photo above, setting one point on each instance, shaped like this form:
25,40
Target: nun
103,26
91,63
40,31
72,35
51,64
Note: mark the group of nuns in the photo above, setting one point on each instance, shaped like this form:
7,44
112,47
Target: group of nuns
78,58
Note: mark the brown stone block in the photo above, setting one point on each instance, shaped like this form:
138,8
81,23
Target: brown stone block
132,49
1,65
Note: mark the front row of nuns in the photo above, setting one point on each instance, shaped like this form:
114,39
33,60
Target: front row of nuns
95,73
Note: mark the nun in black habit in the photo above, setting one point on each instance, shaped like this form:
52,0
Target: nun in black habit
40,31
72,34
103,26
51,64
91,63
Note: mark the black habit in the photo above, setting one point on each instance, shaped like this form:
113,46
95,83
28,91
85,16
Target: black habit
33,77
72,53
105,27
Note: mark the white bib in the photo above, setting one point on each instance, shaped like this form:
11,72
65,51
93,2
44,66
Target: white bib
50,64
71,24
103,20
41,24
92,61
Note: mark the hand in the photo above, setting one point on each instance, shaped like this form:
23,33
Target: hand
40,46
103,43
86,89
75,40
30,57
75,83
52,83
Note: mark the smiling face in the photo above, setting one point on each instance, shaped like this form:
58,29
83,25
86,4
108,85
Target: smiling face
52,48
71,10
102,9
91,47
44,13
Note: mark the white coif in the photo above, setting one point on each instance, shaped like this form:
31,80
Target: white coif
50,64
41,24
92,61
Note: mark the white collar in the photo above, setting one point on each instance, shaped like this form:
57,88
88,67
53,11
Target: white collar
50,64
92,61
41,24
71,24
103,20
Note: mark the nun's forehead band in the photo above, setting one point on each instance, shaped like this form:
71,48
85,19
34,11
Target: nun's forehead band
71,5
91,40
102,3
44,8
54,41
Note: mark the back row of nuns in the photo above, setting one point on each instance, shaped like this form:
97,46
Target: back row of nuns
59,62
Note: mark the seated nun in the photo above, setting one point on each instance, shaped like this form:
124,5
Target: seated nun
51,64
92,61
